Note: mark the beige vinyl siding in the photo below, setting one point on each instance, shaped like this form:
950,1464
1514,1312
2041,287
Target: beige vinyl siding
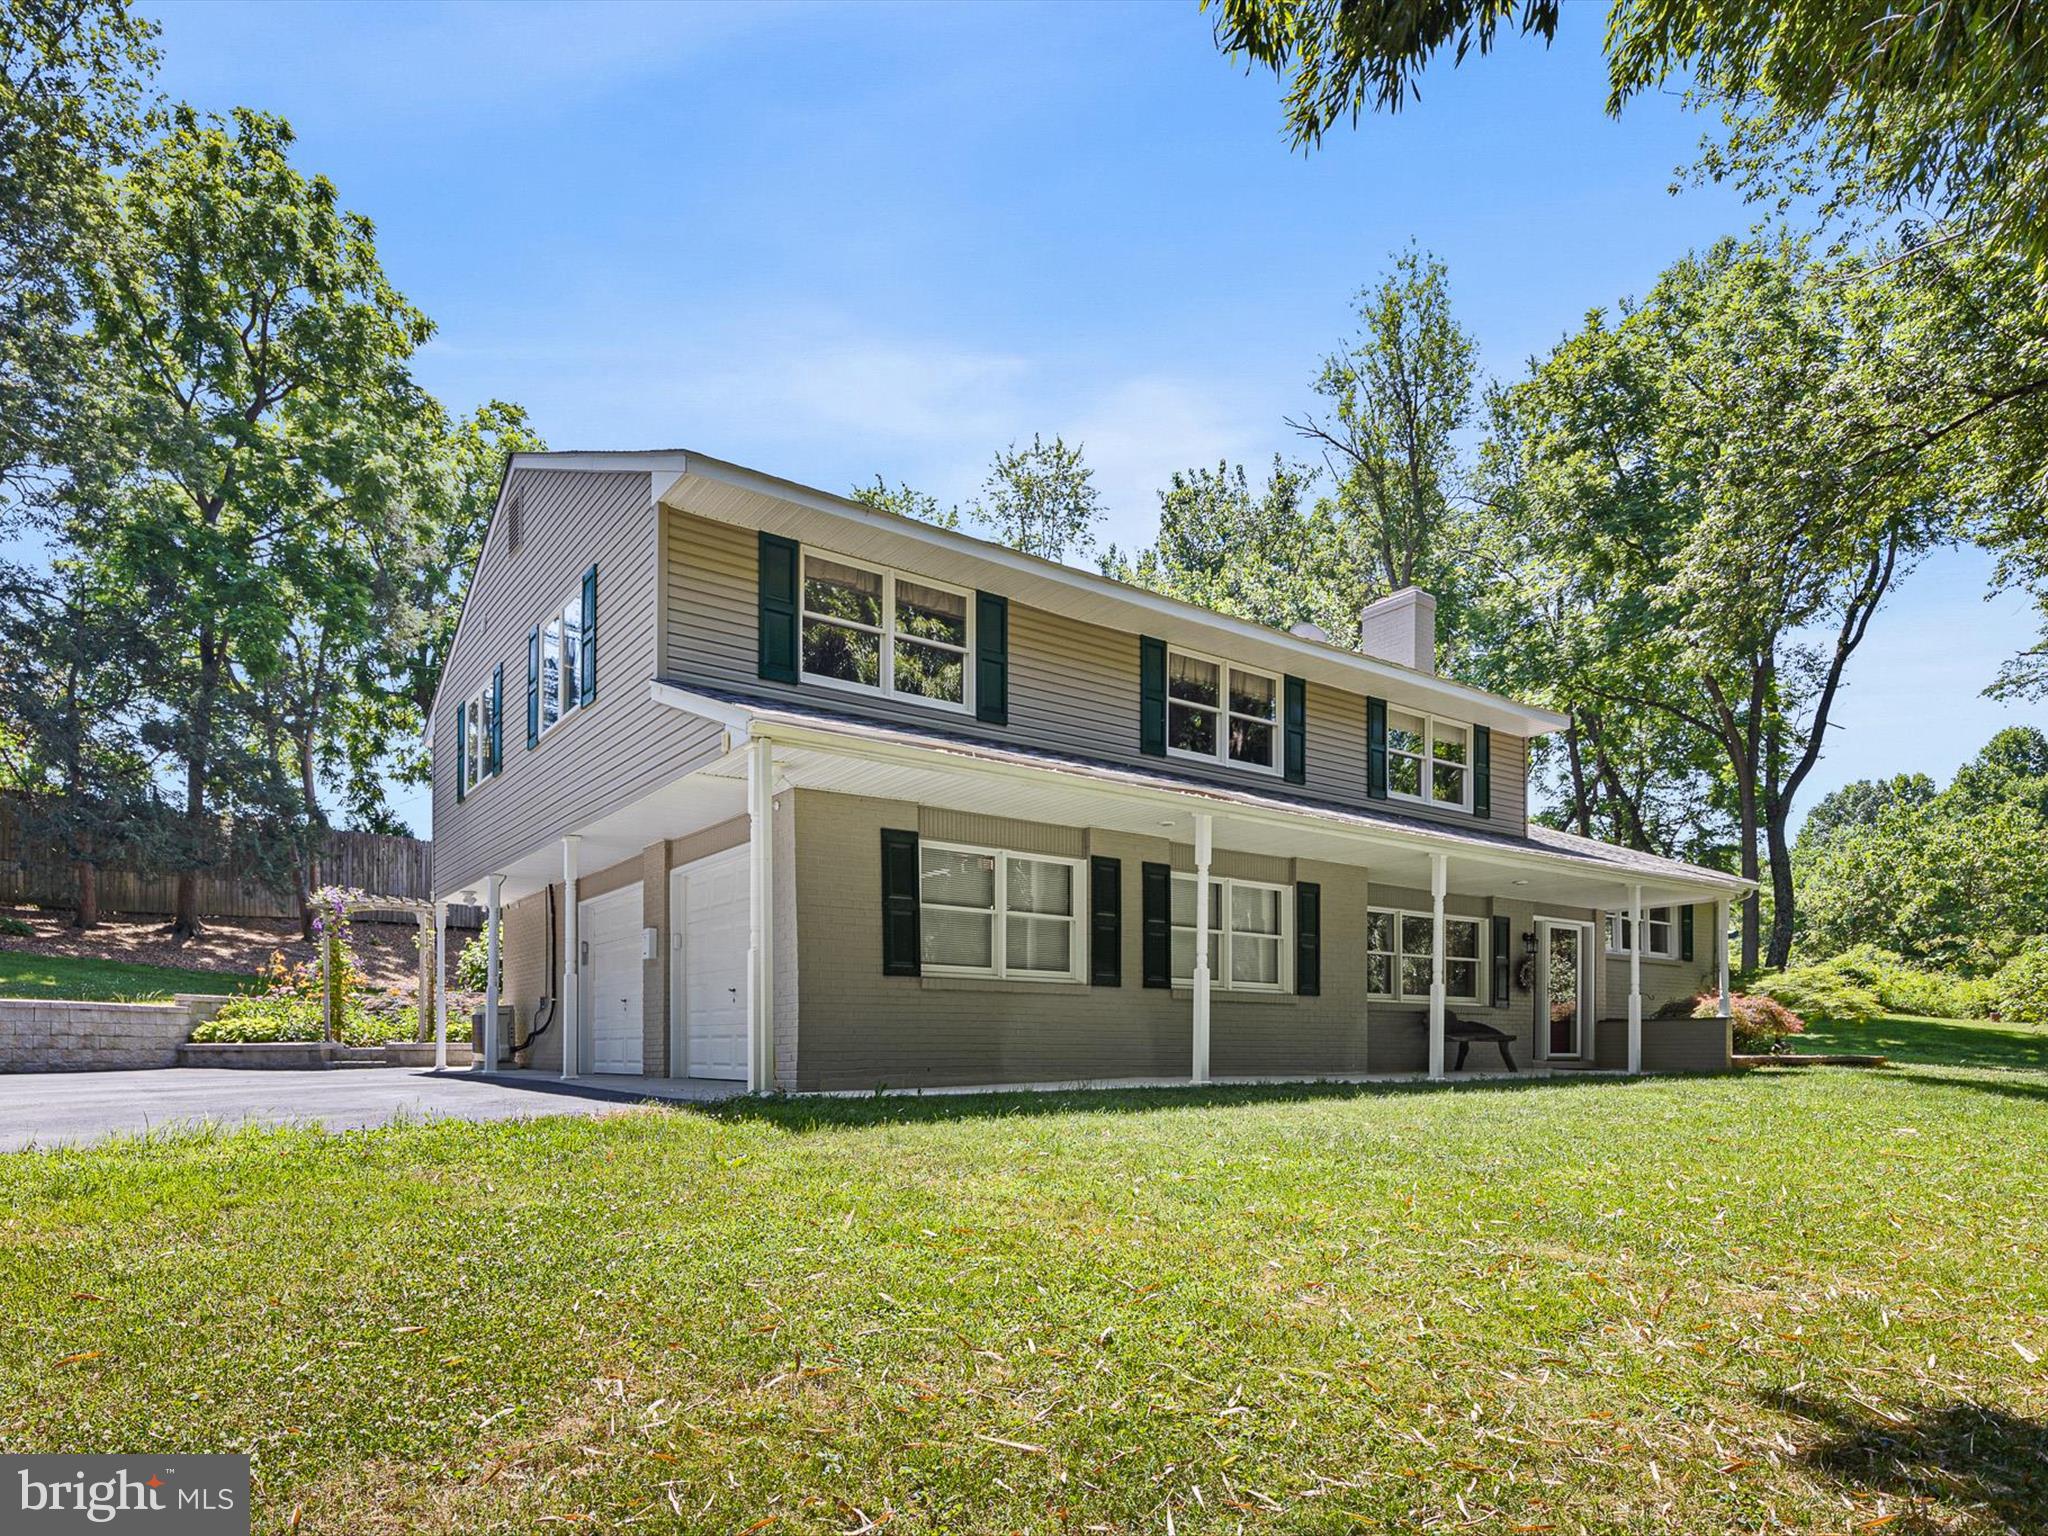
1073,686
600,757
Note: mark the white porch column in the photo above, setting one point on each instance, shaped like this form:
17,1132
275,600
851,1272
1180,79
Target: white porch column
494,888
572,1022
1439,887
1203,850
1721,952
431,993
1635,978
760,916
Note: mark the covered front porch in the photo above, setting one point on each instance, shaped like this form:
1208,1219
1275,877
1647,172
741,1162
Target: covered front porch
1421,930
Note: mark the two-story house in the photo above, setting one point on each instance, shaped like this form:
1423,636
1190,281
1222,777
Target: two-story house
775,789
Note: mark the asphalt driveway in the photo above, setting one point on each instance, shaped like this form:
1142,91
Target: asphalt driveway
47,1109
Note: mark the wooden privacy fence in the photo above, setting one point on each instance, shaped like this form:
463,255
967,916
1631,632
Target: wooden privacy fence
40,875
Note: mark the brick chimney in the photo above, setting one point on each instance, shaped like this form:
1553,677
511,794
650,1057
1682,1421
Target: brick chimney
1401,627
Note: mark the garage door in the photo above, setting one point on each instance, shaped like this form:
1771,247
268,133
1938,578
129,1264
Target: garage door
608,934
709,900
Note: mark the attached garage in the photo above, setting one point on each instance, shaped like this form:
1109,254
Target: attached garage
708,951
610,927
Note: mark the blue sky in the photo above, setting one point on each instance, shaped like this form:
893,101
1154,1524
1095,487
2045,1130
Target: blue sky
835,240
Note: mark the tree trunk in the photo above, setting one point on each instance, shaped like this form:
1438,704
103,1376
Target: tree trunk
198,745
1782,900
1752,904
308,872
87,913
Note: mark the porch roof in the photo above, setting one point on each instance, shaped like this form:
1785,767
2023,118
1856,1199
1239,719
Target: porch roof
819,747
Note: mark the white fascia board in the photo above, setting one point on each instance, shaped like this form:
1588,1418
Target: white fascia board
1532,720
737,720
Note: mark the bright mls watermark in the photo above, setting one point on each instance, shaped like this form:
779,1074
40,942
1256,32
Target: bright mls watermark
162,1495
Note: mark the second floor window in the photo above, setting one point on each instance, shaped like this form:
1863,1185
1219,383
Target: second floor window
1428,759
561,644
475,722
868,627
1217,710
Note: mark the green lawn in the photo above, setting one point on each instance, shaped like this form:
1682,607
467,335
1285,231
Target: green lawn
1947,1042
1798,1301
65,976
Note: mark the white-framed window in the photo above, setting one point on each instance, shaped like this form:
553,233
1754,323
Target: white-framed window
1249,922
1429,760
866,626
1397,956
1660,932
474,729
561,658
989,912
1221,711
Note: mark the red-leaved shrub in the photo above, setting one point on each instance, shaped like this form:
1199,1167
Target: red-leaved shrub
1762,1024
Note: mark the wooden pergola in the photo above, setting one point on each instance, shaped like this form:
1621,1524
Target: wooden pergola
432,1003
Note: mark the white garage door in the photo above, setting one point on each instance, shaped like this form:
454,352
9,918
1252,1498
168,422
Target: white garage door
608,933
708,901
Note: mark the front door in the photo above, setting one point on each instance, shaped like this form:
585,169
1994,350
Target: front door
708,907
609,933
1562,992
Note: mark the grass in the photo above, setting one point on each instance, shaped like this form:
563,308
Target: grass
52,977
1943,1042
1790,1301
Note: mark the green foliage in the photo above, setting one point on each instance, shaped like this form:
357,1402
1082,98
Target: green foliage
1042,499
1952,881
905,501
1821,991
273,1017
17,928
472,966
2020,989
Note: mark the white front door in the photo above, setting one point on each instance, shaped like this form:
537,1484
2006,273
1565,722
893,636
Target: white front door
708,918
1564,987
608,929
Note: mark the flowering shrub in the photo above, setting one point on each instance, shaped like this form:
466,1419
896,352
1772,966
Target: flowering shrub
284,1017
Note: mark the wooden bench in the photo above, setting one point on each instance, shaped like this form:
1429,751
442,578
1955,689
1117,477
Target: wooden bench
1470,1032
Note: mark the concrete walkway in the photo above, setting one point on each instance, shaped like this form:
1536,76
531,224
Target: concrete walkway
48,1109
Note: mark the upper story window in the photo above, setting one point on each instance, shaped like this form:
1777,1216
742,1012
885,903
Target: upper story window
985,912
1659,932
1221,711
474,727
866,626
561,648
1247,933
1428,759
1398,950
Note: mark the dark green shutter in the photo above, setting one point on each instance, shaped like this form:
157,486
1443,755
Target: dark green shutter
1294,719
1685,932
780,564
1308,938
991,659
1151,698
1503,939
1482,771
533,686
900,938
1156,893
1105,922
586,660
498,718
461,748
1376,748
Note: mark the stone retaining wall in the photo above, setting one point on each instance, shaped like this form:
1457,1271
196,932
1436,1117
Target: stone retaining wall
90,1037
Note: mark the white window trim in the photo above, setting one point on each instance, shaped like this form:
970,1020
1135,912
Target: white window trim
1225,714
1429,760
887,631
1221,978
568,701
999,944
1611,931
1398,995
480,701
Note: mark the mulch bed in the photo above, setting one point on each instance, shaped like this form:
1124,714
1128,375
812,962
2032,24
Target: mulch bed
233,946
